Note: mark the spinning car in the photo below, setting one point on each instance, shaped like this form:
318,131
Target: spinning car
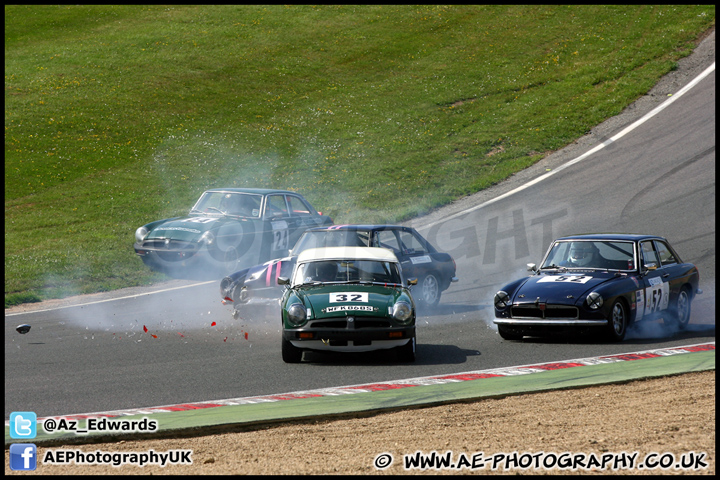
347,299
227,229
606,281
434,270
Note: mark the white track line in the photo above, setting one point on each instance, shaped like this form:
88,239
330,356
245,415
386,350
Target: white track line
418,381
110,299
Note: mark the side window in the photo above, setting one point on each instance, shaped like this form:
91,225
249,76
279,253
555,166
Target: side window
363,238
412,245
276,206
298,207
649,255
666,255
387,239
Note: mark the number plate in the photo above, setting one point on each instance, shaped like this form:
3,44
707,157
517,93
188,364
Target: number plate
566,278
349,297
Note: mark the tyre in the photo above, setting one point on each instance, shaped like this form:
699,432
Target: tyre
429,290
508,334
230,261
680,312
618,321
406,353
290,353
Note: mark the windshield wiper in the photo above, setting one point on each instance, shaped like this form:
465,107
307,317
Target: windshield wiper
218,210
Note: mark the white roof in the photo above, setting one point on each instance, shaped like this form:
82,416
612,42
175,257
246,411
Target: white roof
347,253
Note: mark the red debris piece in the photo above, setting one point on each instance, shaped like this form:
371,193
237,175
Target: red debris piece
225,340
145,328
213,324
153,335
246,336
181,334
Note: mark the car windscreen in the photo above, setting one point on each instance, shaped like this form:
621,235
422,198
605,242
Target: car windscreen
341,271
330,238
591,254
228,203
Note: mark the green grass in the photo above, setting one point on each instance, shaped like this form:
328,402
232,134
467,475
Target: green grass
119,115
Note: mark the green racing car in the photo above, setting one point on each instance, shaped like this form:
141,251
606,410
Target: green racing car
347,299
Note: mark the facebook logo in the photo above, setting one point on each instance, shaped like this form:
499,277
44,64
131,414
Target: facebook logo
23,456
23,425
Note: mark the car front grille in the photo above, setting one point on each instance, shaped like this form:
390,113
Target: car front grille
172,245
358,322
550,311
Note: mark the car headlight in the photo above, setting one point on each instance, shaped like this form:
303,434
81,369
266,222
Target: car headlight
207,238
225,284
297,314
140,234
402,312
502,299
594,300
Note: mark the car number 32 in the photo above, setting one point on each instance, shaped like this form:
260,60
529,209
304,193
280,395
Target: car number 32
348,297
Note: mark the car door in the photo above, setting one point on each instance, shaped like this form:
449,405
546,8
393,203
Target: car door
673,270
278,225
409,250
656,281
301,217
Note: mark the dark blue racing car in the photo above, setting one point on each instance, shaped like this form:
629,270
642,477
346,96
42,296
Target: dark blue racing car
607,281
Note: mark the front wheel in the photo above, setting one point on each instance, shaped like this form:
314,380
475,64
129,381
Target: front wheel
290,353
406,353
230,261
618,321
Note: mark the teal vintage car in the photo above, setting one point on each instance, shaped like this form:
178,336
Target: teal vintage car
228,229
347,299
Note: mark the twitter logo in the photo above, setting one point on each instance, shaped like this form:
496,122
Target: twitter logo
23,425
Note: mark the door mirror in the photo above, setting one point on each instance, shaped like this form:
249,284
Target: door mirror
648,267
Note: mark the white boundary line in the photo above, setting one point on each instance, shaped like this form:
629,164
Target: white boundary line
108,299
613,139
443,378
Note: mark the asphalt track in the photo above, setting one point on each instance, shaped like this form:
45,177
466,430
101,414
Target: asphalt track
208,417
175,344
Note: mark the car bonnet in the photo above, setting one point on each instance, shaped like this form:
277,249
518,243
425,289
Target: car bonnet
335,300
186,228
560,288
